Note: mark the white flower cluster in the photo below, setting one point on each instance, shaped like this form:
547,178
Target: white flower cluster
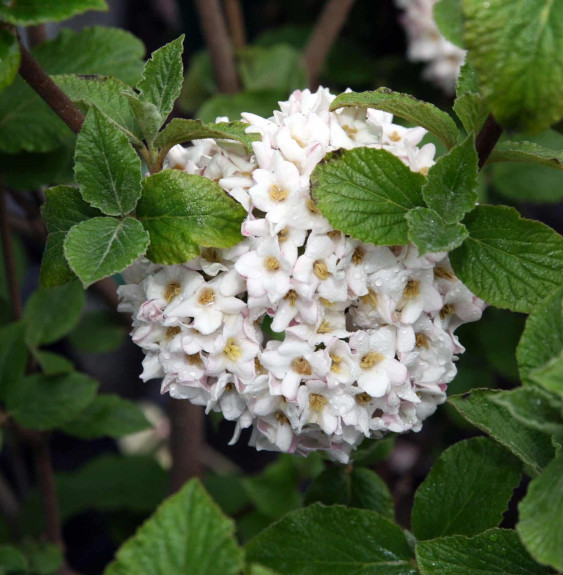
314,339
426,43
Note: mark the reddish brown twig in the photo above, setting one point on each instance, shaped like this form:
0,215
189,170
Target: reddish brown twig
325,33
487,139
36,35
218,43
235,18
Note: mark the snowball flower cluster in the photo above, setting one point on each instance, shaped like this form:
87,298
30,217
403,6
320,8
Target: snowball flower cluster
313,339
426,43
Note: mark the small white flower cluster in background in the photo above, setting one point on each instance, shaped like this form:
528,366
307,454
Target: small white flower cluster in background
312,338
426,44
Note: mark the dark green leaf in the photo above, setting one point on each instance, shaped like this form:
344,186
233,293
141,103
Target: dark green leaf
373,451
496,551
11,560
467,490
199,83
27,12
98,332
43,558
333,540
405,106
550,376
9,58
430,233
147,117
13,356
183,211
449,18
228,492
199,539
526,152
52,363
100,247
471,109
529,253
366,193
107,169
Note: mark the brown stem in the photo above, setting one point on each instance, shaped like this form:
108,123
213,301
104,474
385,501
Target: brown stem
39,80
487,139
324,35
218,43
235,18
36,35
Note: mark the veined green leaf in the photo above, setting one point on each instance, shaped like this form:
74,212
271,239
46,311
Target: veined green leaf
9,58
27,12
430,233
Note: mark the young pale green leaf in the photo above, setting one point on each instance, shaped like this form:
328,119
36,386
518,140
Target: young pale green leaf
448,15
493,552
9,58
43,402
203,541
532,446
100,247
405,106
107,169
542,339
430,233
51,313
98,332
107,416
162,78
332,540
12,560
540,515
550,376
28,12
450,186
467,490
366,193
180,130
526,152
529,253
13,356
181,211
147,116
63,208
357,487
52,363
514,48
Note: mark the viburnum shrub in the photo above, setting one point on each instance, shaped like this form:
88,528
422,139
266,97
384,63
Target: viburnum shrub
298,262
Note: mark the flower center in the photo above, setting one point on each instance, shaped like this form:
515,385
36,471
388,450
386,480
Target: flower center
443,274
350,131
370,359
229,386
424,171
317,401
326,302
370,298
312,207
301,366
232,350
259,367
276,194
358,255
283,235
281,418
173,331
395,136
448,309
194,359
271,264
334,234
421,341
291,296
336,361
325,327
210,255
172,290
412,289
321,270
363,398
206,296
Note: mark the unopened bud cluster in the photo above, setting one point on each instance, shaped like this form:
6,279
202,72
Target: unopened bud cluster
311,338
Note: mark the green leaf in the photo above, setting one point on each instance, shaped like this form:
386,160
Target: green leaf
449,188
9,58
108,169
533,447
366,193
228,492
179,131
45,402
333,540
11,560
542,339
162,78
43,558
199,83
448,15
181,211
147,116
496,551
100,247
63,208
233,105
20,258
430,233
52,363
107,416
373,451
99,332
471,109
13,356
466,491
357,487
526,152
405,106
28,12
51,313
514,48
203,540
540,515
529,253
550,375
256,569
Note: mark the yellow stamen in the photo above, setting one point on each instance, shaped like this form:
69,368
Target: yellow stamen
325,327
271,264
230,386
259,367
334,234
210,255
363,398
312,207
448,309
326,302
232,350
370,359
283,235
443,274
173,331
350,131
370,298
395,137
206,296
412,289
291,296
301,366
281,417
336,361
423,171
194,359
358,255
276,194
321,270
421,341
172,291
317,401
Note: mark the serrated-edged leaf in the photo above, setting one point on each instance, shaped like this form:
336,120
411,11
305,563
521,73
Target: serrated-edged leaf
430,233
98,332
514,47
357,487
27,12
540,515
526,152
51,313
529,253
180,130
366,193
100,247
44,402
466,491
182,212
13,356
107,416
12,560
472,110
532,446
203,542
147,116
162,78
450,185
52,363
107,168
9,58
405,106
448,15
496,551
550,376
332,540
